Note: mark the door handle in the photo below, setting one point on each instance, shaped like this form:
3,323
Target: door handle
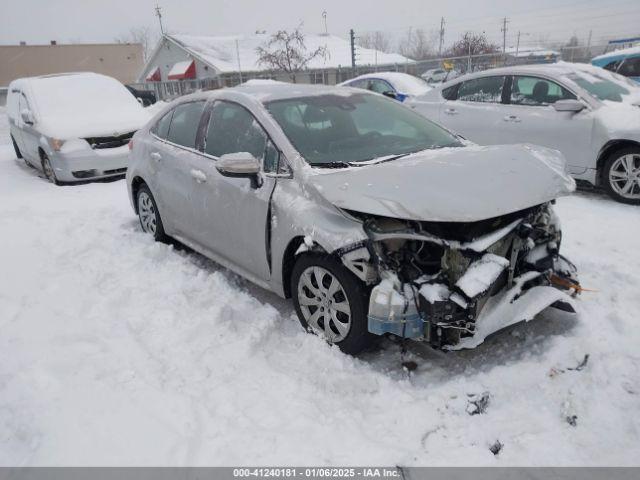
451,111
199,176
511,118
156,156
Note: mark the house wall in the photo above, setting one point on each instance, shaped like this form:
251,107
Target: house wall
122,61
167,56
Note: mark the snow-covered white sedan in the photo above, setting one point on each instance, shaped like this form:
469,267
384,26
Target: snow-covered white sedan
372,218
397,85
589,114
73,126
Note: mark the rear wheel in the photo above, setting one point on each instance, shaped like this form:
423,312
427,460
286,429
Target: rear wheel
148,214
331,302
48,169
15,147
621,175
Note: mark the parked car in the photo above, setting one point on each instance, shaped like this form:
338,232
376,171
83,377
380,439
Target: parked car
73,126
372,218
145,97
396,85
624,62
589,114
436,76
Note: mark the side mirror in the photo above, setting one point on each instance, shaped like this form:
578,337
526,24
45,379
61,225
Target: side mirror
574,106
27,116
390,94
240,165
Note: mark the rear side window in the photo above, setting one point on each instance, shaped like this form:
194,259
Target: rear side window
161,129
380,86
613,66
484,90
184,124
233,129
13,110
535,91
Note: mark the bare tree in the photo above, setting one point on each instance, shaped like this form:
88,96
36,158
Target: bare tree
286,52
376,41
140,35
418,44
473,44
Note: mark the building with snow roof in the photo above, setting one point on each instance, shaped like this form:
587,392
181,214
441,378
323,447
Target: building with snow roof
228,60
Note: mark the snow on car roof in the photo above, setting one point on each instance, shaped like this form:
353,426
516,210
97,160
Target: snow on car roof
403,82
267,92
618,53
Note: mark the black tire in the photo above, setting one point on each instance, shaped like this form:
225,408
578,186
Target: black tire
358,337
158,230
15,147
47,169
607,183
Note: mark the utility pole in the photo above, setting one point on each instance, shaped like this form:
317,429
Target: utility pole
352,35
504,34
589,44
324,17
238,58
518,44
159,15
441,36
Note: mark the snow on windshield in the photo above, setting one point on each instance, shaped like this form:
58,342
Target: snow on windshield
604,85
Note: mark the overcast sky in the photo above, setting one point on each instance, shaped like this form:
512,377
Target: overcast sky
39,21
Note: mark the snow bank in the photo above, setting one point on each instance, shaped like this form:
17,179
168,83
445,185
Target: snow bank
115,350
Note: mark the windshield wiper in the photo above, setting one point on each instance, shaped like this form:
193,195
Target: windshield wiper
333,164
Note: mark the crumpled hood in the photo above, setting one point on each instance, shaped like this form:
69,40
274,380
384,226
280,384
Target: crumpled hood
463,184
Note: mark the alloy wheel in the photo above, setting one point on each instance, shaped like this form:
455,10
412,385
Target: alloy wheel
624,176
147,213
324,304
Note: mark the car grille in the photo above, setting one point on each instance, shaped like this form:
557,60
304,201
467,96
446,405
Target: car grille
109,142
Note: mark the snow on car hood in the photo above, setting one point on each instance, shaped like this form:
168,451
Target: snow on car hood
93,124
463,184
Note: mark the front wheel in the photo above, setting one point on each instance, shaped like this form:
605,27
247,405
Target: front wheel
621,175
331,302
148,214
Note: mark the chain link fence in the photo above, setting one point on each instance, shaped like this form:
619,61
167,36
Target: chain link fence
460,64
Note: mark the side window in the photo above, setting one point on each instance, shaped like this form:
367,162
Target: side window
484,89
630,67
358,84
534,91
612,66
451,93
233,129
380,86
161,128
184,124
13,110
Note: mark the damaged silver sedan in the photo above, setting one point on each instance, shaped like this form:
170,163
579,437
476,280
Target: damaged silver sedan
373,219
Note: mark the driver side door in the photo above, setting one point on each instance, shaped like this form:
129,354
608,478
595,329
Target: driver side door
233,212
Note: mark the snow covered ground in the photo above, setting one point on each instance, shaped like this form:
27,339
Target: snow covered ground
115,350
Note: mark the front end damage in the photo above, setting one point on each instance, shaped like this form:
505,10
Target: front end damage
452,284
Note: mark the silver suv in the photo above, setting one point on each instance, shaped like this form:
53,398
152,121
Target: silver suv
373,219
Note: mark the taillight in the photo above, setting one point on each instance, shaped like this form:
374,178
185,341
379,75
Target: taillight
131,144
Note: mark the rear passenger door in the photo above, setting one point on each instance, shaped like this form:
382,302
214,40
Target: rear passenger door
172,156
475,110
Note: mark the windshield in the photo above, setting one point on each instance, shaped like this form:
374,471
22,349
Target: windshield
334,129
603,86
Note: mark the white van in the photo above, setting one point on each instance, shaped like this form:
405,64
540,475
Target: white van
73,126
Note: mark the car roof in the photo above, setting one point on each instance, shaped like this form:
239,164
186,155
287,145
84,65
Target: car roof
549,69
391,76
270,92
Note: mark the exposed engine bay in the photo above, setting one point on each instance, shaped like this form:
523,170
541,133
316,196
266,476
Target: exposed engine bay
452,283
